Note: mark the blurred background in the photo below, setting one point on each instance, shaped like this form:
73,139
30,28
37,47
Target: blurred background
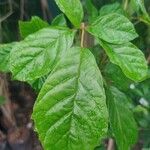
19,97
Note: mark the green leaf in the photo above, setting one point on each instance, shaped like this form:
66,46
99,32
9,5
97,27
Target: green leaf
117,78
72,9
2,100
113,28
138,6
111,8
4,56
91,10
35,56
121,119
38,83
59,21
129,58
28,27
70,112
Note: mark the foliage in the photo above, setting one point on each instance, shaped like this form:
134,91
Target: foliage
80,100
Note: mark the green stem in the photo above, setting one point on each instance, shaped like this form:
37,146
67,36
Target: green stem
82,34
125,4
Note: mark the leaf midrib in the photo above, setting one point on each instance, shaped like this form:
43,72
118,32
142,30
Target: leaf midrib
74,98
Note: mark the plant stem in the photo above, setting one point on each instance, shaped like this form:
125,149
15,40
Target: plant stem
125,4
82,34
110,144
148,59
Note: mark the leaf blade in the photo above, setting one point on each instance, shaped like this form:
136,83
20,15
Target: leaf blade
128,57
34,57
59,21
72,104
113,28
28,27
111,8
75,14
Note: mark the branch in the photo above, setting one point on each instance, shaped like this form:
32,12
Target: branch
22,3
110,144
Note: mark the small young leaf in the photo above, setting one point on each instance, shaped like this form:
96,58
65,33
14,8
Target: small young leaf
113,28
72,9
111,8
70,112
129,58
121,119
4,56
59,21
38,83
28,27
34,57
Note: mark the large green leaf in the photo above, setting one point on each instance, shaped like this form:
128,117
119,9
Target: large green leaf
34,57
72,9
113,28
59,21
4,56
111,8
70,112
121,119
28,27
129,58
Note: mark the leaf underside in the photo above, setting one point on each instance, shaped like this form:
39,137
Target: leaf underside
5,50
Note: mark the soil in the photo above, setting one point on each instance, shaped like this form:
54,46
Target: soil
20,135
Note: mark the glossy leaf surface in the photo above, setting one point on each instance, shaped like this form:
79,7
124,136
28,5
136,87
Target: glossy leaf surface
70,112
34,57
72,9
111,8
113,28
